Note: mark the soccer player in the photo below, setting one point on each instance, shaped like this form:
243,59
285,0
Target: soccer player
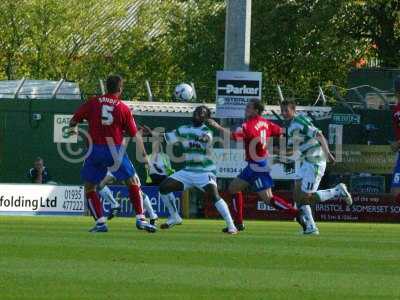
109,118
256,132
199,170
310,143
158,170
396,144
107,195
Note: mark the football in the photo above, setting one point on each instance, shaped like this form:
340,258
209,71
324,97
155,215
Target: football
184,92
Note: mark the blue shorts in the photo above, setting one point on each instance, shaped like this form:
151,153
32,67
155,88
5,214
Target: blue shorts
396,174
257,177
100,160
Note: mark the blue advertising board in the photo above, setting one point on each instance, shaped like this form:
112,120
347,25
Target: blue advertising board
121,194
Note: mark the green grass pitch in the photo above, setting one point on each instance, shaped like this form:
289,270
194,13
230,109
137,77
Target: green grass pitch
56,258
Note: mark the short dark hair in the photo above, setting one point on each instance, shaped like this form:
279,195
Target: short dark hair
257,105
113,83
38,159
289,103
207,110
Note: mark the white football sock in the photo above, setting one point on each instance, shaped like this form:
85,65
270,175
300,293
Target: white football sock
107,195
325,195
169,202
148,207
223,209
308,215
172,200
101,220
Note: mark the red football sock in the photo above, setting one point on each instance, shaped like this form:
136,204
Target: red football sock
94,205
238,207
136,199
282,204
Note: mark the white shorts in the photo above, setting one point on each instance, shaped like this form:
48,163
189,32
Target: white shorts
311,175
191,179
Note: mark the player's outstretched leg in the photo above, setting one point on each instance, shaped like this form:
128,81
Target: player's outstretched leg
280,203
338,192
167,187
149,209
107,195
222,208
95,208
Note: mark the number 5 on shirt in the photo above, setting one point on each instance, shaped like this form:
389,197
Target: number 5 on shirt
106,115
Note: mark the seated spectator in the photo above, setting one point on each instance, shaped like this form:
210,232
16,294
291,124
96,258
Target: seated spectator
159,166
39,173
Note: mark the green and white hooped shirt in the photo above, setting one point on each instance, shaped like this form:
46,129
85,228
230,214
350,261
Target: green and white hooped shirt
302,135
195,147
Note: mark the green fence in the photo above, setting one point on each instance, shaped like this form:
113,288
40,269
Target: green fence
22,139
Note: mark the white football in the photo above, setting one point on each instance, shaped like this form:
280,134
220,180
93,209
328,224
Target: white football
184,92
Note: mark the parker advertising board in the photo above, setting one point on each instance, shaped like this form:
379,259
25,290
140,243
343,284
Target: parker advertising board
233,91
33,199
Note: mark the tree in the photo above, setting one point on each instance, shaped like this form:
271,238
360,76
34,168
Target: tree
195,34
298,44
13,33
377,23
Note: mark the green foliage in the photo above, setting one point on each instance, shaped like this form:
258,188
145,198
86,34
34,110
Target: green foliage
13,31
378,23
196,35
299,44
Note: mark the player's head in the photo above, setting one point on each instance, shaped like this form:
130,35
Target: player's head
200,115
288,109
114,84
38,163
396,86
254,108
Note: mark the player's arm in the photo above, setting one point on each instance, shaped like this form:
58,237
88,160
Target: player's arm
225,131
142,149
276,130
324,144
171,137
132,130
78,117
314,132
